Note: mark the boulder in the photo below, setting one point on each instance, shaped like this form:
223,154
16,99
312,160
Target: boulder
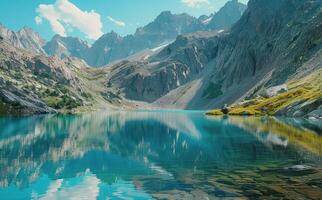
274,91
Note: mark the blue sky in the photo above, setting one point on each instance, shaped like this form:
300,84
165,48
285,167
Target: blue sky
88,19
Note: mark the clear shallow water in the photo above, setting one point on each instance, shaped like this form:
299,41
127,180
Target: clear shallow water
159,155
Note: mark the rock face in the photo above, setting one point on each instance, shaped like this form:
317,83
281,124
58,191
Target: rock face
25,38
273,42
274,91
311,108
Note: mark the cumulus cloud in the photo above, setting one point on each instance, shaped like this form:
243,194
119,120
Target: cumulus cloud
195,3
116,22
63,13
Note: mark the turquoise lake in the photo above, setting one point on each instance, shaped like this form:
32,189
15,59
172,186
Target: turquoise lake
159,155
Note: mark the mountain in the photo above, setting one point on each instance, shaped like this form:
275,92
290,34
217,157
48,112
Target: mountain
25,38
163,30
275,42
168,26
227,15
66,46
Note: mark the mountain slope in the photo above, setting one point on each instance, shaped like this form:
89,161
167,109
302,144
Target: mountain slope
34,84
270,44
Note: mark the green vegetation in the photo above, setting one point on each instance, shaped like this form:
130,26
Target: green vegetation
306,89
3,108
9,107
62,102
60,98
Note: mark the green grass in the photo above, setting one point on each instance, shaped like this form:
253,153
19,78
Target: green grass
62,102
52,101
306,89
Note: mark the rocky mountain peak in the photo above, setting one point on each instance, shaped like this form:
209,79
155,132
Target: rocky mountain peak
227,15
26,30
108,39
66,46
164,14
25,38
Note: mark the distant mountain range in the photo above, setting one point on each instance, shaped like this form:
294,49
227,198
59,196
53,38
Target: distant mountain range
111,46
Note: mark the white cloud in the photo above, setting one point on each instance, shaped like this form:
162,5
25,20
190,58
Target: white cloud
38,20
86,187
63,13
195,3
116,22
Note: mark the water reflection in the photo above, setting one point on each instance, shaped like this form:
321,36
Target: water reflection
163,155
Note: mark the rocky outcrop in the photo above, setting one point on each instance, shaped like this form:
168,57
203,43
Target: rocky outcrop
311,108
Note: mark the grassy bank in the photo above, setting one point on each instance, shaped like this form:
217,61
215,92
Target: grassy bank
307,89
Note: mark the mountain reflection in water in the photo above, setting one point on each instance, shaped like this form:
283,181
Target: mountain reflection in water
159,155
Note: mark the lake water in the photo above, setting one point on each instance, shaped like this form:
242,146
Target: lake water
159,155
